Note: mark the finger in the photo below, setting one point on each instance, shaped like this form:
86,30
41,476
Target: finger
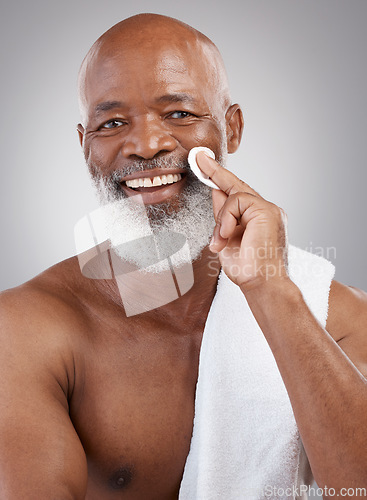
229,220
219,198
234,212
223,178
217,242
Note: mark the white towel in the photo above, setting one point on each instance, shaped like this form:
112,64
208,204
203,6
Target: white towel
245,439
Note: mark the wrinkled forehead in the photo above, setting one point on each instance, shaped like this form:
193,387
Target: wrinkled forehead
150,69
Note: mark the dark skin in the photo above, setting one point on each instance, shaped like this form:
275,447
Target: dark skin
100,405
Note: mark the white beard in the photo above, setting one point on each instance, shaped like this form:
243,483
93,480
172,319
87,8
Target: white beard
128,220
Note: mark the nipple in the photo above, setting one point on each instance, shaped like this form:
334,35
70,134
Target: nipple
195,168
121,478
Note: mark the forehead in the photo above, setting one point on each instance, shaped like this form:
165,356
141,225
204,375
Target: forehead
148,72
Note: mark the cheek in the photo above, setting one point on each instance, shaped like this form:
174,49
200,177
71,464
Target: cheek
101,153
209,133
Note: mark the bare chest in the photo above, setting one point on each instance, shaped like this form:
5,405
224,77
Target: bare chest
133,411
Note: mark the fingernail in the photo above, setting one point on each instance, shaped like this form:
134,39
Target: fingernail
212,245
207,154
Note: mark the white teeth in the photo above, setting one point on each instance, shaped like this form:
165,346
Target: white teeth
158,180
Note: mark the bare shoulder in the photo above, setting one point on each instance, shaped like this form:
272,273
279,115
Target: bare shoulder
347,311
41,317
347,322
37,324
50,297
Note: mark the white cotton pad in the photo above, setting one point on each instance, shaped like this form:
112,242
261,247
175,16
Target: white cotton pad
195,168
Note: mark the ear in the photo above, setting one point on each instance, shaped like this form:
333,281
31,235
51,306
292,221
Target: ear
235,124
80,129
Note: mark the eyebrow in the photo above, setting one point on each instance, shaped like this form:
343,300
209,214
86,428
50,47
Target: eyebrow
107,106
167,98
177,97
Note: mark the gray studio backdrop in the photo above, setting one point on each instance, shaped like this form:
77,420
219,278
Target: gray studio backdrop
297,67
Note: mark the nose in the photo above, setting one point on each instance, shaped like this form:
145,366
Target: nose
147,138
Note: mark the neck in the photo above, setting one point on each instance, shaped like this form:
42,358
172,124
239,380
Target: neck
206,270
194,304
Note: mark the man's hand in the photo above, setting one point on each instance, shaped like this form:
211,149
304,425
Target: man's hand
250,233
327,391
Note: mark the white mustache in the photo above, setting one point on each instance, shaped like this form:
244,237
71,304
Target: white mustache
144,165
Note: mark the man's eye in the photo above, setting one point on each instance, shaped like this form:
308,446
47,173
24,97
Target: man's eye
180,114
113,124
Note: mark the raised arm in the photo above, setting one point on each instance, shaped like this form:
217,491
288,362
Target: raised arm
324,371
41,456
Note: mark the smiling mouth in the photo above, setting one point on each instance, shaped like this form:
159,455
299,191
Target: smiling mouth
152,182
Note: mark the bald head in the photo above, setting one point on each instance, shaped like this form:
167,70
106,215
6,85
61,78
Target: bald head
152,38
152,86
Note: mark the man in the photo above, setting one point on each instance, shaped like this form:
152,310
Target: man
97,404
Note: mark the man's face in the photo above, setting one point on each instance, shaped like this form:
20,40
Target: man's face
144,109
145,105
